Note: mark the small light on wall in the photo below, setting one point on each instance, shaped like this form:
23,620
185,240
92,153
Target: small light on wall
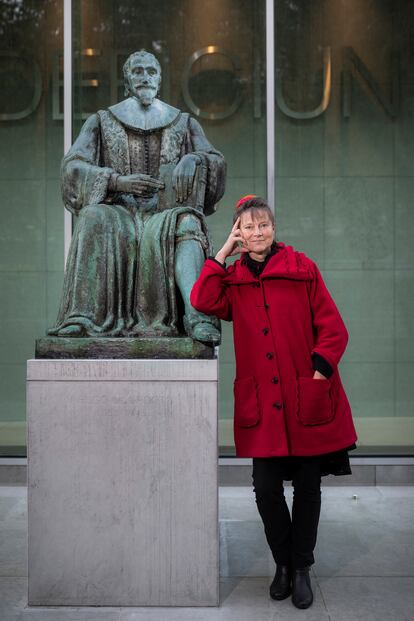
90,51
91,82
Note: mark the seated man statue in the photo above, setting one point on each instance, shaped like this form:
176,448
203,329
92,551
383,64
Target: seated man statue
140,178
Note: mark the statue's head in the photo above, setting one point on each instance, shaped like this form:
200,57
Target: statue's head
142,75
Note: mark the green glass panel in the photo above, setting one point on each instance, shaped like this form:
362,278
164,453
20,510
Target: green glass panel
31,210
344,185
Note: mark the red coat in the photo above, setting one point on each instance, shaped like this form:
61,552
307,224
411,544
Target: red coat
279,320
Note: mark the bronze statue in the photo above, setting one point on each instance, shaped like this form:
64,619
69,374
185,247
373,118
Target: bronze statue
140,178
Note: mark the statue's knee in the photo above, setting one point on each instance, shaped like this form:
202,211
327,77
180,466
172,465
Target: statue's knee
93,212
189,228
188,225
99,217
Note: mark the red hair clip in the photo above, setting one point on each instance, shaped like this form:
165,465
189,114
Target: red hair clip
244,199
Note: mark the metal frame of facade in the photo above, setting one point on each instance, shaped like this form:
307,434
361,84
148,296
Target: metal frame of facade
270,102
67,104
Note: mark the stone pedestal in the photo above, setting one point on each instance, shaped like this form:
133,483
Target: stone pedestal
122,482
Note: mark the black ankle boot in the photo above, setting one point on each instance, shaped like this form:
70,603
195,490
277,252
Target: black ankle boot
280,587
302,596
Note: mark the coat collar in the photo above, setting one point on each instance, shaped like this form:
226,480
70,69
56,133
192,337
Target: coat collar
286,263
132,115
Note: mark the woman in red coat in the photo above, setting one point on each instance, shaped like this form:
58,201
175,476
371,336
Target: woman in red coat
291,412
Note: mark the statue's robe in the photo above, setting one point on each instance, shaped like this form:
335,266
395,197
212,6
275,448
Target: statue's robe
119,276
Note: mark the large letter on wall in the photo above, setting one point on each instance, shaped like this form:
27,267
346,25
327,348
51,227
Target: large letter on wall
309,114
353,66
37,87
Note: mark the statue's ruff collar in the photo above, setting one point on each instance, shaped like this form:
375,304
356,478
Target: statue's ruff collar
131,114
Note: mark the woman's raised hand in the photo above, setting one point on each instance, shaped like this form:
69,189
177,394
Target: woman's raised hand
231,245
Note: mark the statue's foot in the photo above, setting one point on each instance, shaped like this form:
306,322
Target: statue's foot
203,331
72,330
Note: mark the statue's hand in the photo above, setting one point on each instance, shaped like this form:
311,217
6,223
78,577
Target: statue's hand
183,176
138,184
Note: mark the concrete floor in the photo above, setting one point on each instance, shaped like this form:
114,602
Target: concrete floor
364,568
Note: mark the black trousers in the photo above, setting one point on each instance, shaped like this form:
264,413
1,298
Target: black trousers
291,539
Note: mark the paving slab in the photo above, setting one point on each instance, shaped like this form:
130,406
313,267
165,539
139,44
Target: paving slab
369,598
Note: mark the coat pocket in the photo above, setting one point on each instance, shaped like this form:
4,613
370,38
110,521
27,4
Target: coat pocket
315,406
246,402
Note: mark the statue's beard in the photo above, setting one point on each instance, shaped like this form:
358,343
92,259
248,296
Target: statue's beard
146,95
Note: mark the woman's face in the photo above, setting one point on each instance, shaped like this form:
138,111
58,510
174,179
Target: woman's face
257,231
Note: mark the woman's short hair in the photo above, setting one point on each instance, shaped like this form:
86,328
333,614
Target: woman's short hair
254,204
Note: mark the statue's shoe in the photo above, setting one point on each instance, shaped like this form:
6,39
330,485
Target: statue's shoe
71,330
203,331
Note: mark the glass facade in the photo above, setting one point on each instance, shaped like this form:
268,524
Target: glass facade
31,214
344,182
344,121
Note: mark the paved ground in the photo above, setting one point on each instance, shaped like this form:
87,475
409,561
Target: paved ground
364,568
